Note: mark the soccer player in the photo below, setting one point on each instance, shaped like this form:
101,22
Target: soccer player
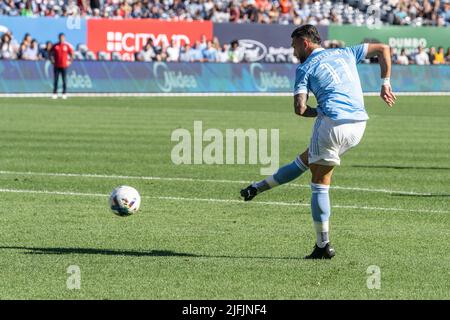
341,119
61,57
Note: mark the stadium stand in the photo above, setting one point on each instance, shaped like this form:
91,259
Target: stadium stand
364,12
208,51
355,12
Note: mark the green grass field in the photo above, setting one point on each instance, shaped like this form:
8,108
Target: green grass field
392,204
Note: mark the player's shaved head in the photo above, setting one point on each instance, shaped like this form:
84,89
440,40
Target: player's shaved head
307,31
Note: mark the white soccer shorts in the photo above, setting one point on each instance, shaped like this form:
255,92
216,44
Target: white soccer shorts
331,139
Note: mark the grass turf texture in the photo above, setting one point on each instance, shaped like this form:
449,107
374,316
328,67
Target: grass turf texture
178,249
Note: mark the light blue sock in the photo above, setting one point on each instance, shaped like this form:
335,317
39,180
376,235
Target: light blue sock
321,211
284,175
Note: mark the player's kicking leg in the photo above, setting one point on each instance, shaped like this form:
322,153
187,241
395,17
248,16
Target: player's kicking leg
321,210
328,143
284,175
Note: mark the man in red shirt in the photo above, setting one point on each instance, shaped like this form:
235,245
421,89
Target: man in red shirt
61,57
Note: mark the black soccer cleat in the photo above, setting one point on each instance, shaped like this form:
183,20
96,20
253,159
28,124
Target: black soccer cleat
326,252
249,193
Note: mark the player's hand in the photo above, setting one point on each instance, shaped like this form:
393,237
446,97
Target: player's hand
387,95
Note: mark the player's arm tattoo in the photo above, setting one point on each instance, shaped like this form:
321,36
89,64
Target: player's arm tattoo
301,108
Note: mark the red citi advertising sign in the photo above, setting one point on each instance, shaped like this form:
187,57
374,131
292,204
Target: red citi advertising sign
129,36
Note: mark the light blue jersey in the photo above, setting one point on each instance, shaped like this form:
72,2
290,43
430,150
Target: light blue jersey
333,78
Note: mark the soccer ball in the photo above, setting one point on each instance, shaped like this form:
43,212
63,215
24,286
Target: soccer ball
124,201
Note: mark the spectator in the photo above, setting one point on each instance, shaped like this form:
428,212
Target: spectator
402,12
249,13
235,13
45,53
95,14
274,14
220,15
216,43
123,11
203,43
31,52
7,48
196,54
185,55
223,55
136,10
173,52
439,56
162,56
96,4
10,8
402,58
26,9
148,52
286,10
235,52
421,57
210,53
22,48
447,56
208,7
27,39
431,54
394,55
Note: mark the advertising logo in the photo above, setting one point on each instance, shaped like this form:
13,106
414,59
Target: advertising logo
133,42
409,43
168,80
129,36
74,79
253,50
261,42
268,81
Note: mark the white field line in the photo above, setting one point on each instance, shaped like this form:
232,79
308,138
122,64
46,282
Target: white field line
103,176
199,94
57,193
275,203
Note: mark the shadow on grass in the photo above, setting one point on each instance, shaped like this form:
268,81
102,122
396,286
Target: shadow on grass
398,167
131,253
431,195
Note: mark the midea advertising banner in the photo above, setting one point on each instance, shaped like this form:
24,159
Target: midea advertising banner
396,36
130,35
159,77
261,42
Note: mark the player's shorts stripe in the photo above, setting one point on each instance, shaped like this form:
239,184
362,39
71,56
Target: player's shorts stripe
315,137
311,149
312,137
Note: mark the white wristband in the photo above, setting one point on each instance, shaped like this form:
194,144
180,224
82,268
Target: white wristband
385,81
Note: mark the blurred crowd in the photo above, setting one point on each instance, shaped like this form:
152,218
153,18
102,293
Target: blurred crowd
201,51
421,56
204,50
28,49
212,51
356,12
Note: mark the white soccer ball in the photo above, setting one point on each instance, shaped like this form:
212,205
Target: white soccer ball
124,201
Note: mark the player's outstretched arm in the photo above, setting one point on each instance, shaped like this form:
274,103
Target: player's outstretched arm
383,53
301,108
